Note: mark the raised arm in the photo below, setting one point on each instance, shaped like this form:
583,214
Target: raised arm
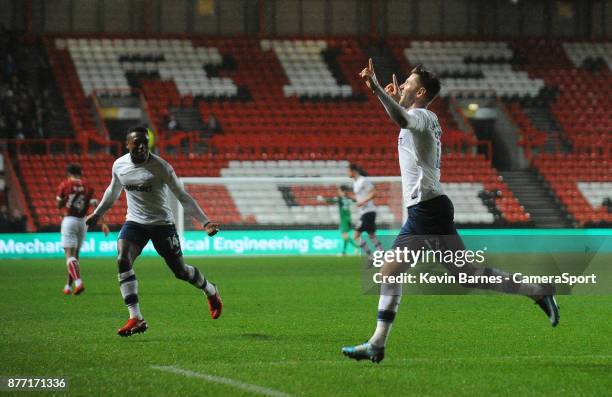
189,204
397,113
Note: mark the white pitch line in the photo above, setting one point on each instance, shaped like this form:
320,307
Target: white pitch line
224,381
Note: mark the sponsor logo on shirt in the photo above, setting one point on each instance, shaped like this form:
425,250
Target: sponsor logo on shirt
141,188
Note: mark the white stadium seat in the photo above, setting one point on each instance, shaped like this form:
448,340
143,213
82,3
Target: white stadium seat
450,58
579,52
265,201
96,58
595,192
305,68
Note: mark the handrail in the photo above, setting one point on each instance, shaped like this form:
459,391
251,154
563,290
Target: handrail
100,116
174,138
103,142
19,144
466,122
157,133
468,127
47,143
145,105
525,138
489,146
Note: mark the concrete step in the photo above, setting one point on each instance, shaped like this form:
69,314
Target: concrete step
532,196
522,184
542,206
543,213
550,225
188,119
535,197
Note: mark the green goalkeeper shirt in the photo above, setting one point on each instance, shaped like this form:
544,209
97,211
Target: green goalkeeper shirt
344,207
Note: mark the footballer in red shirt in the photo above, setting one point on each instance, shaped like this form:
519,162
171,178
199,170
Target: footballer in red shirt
74,197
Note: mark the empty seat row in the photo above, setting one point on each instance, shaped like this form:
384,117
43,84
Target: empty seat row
595,192
579,52
306,69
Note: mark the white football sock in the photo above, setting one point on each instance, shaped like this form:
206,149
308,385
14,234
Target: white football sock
210,289
387,308
129,291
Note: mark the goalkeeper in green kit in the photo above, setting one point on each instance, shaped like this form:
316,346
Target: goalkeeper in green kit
344,210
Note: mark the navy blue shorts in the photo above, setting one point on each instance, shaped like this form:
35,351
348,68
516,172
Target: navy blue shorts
164,237
433,218
368,223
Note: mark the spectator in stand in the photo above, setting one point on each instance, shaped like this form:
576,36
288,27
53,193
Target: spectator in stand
19,132
213,126
172,124
39,123
3,128
607,202
25,103
18,222
4,219
9,66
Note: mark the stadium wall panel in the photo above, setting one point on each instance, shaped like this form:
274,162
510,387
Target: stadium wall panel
114,21
306,242
417,18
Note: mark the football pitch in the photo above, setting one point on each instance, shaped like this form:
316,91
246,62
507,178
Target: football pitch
284,322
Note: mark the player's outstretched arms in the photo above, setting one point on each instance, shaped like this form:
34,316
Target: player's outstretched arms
393,89
94,203
397,113
369,76
111,194
189,204
329,200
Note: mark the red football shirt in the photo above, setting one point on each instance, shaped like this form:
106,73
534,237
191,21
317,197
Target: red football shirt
75,194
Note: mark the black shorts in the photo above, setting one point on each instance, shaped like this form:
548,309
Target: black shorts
368,223
430,222
164,237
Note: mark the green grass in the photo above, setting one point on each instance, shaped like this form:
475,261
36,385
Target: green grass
284,322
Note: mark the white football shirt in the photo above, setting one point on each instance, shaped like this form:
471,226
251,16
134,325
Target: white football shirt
362,187
146,186
420,150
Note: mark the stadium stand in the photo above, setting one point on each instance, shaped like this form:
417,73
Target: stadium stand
582,106
473,66
276,120
77,104
304,66
230,205
2,182
31,106
582,182
582,109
